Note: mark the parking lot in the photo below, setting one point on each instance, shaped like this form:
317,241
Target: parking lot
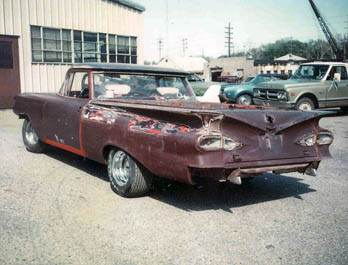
57,208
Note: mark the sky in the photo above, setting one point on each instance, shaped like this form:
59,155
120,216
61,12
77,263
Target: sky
254,22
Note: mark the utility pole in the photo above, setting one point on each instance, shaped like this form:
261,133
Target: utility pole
345,48
160,43
184,45
229,38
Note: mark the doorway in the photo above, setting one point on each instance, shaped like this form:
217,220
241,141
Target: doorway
9,71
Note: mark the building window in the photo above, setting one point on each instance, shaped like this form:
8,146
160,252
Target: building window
290,72
275,71
282,72
51,45
268,72
261,72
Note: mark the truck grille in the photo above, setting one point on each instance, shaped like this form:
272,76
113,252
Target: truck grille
268,94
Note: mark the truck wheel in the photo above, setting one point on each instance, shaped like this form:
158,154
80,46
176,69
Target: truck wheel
244,99
305,104
127,177
30,139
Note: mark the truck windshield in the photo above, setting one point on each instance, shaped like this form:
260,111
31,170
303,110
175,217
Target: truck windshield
143,87
314,72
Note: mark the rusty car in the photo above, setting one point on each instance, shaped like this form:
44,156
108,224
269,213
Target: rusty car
144,121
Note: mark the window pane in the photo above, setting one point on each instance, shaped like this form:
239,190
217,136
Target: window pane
36,44
78,57
52,45
52,34
112,48
66,45
123,59
122,45
67,58
6,58
77,46
134,60
77,35
112,39
66,34
112,58
37,56
89,37
134,50
35,32
103,57
52,56
133,41
90,57
90,47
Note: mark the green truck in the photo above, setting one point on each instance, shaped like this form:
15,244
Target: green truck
313,86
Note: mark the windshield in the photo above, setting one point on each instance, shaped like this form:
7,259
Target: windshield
141,87
313,72
260,78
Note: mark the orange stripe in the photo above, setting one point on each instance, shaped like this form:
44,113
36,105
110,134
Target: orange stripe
66,147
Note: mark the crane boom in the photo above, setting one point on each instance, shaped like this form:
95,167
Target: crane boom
329,36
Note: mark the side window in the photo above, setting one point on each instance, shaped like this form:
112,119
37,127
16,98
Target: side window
338,69
78,85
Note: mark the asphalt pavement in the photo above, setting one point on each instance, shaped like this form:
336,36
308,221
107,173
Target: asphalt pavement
57,208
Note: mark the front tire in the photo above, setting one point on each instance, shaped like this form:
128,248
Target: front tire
305,104
127,177
244,100
30,139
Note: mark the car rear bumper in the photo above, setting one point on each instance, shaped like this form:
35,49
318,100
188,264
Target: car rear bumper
273,103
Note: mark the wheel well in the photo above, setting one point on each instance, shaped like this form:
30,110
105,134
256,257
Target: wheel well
23,116
106,151
312,97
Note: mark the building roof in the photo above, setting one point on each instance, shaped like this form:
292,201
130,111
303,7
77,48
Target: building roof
130,4
190,64
129,68
290,57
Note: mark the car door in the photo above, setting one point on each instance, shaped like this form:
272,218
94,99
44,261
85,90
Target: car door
337,91
62,116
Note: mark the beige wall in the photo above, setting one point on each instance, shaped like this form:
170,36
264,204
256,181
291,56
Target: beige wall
103,16
290,66
231,65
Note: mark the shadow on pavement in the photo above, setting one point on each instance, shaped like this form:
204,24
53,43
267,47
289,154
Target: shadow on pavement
93,168
226,196
212,196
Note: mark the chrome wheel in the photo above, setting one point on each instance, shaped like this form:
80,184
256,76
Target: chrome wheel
244,99
120,168
306,106
30,134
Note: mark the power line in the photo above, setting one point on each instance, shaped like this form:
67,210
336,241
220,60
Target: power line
229,38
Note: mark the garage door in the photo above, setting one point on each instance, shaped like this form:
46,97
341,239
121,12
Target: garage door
9,71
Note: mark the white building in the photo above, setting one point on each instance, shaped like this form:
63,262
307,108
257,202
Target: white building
39,39
189,64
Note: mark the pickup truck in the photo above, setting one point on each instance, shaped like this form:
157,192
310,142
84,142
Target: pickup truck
313,86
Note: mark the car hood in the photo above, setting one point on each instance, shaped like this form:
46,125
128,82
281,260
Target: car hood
262,118
287,84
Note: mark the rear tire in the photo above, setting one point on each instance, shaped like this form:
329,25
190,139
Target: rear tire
244,100
305,104
127,177
30,139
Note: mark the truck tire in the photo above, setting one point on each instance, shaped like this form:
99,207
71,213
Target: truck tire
127,177
305,104
30,139
244,99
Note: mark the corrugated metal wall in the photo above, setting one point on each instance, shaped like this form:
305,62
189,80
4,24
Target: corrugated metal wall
103,16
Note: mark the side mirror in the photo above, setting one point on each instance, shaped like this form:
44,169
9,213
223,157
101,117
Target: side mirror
337,77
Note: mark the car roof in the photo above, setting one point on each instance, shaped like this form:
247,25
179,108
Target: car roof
129,68
324,63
